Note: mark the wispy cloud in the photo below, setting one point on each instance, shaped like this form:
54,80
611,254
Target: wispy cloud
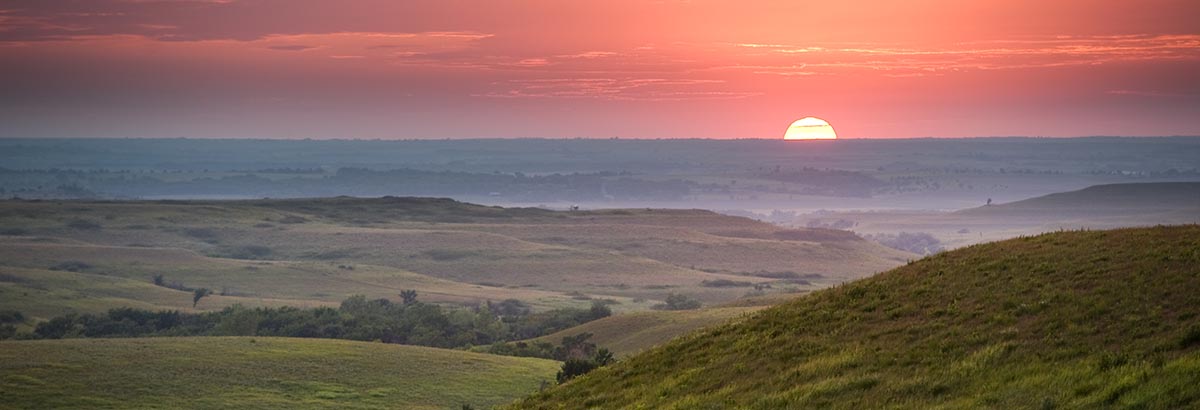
627,89
1017,53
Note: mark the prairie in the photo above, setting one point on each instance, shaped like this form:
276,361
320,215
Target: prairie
320,251
262,373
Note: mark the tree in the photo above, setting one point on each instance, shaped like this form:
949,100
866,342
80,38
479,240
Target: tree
159,281
409,296
603,357
199,294
599,310
677,301
574,367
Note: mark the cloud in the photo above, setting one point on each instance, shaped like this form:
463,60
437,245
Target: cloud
1002,54
295,47
621,89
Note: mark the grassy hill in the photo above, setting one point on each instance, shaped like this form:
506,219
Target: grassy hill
1152,196
262,373
320,251
633,332
1081,319
1096,207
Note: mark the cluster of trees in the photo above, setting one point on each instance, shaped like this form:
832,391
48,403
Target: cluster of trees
358,318
578,355
677,301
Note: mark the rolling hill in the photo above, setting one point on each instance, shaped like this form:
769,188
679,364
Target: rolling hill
1096,207
261,373
1078,319
320,251
1109,198
634,332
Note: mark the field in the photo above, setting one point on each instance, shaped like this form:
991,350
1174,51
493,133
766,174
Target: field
261,373
1080,319
79,256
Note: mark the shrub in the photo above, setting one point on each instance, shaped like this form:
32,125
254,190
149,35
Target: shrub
677,301
199,294
573,368
200,233
11,316
83,225
250,252
72,266
725,283
292,219
14,232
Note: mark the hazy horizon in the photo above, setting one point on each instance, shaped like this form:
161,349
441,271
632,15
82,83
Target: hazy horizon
667,69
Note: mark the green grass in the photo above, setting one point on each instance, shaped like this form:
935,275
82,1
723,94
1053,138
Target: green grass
260,373
633,332
1096,319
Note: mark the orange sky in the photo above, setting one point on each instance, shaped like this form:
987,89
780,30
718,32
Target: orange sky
583,68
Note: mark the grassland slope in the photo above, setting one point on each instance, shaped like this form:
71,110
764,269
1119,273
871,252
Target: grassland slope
259,373
1081,319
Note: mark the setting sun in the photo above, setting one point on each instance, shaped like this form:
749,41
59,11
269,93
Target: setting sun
810,128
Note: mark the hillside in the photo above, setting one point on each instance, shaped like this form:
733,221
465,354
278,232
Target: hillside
261,373
320,251
1147,197
1107,206
1080,319
633,332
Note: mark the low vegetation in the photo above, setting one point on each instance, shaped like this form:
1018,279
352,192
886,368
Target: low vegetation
1082,319
358,318
258,373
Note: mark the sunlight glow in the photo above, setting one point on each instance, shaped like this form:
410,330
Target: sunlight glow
810,128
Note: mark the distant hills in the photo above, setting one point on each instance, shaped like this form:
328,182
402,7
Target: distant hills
1075,319
1132,197
66,256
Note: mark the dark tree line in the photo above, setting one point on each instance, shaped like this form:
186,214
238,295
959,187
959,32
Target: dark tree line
358,318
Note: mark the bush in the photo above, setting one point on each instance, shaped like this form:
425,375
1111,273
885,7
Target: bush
573,368
72,266
7,332
677,301
200,233
14,232
83,225
250,252
11,316
725,283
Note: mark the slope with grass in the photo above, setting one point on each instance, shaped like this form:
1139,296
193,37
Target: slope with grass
633,332
261,373
1081,319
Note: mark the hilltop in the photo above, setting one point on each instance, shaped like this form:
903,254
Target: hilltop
1080,319
261,373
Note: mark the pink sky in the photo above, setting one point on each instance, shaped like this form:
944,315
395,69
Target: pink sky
583,68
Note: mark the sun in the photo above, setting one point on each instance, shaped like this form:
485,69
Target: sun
810,128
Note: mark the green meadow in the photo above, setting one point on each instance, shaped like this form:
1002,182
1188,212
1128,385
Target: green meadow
259,373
